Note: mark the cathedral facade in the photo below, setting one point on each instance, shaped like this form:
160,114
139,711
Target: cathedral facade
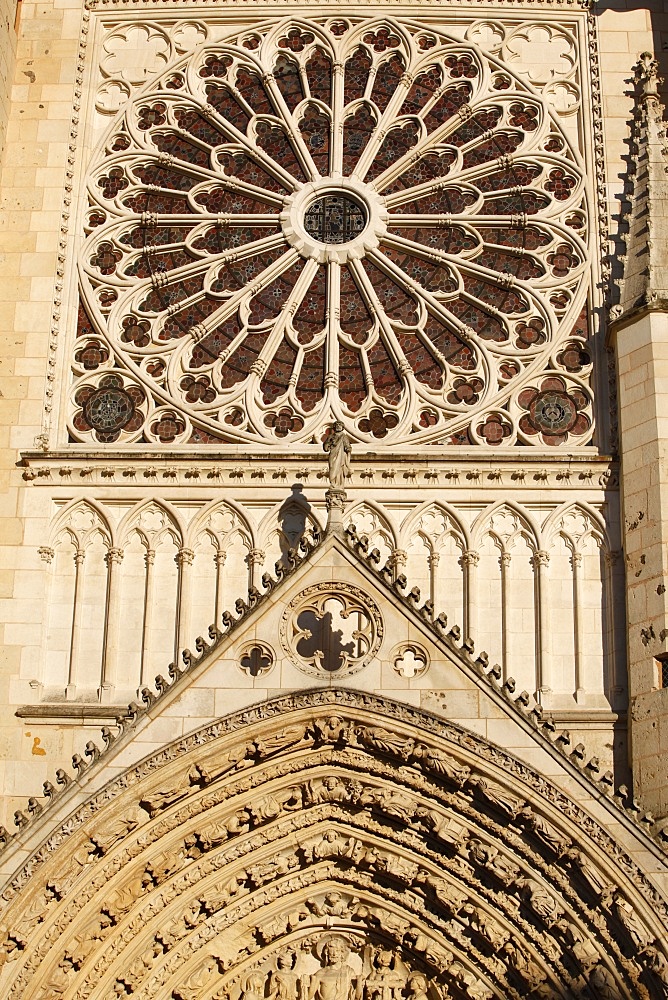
334,539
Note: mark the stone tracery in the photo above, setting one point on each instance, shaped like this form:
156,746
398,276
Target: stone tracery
448,315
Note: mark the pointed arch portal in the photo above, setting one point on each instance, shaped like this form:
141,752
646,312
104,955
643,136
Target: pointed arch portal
330,845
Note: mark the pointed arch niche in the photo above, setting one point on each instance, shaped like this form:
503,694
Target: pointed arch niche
233,859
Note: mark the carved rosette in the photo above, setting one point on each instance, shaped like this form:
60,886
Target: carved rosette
330,219
331,628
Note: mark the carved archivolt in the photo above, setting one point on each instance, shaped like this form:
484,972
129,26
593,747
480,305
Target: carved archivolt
357,219
331,843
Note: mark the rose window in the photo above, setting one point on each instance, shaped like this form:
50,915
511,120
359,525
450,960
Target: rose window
355,220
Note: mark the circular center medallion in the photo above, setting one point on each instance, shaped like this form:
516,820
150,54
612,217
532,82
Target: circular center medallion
334,218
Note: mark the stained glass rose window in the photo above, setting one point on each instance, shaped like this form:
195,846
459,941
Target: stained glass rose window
355,220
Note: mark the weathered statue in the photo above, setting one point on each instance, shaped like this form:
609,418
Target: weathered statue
338,448
335,980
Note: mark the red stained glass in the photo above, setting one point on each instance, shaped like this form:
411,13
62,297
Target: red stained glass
425,366
273,140
311,316
310,385
156,263
448,201
315,127
356,133
296,40
382,39
215,65
526,202
449,345
199,127
228,107
397,304
422,90
237,367
277,379
433,277
387,382
447,105
164,177
396,144
449,239
220,201
518,175
236,274
479,123
528,238
506,300
84,326
501,144
423,284
250,87
269,303
113,182
387,77
158,203
428,168
352,383
178,147
245,169
319,75
181,323
484,324
200,436
356,76
218,239
525,268
356,320
210,347
161,298
288,81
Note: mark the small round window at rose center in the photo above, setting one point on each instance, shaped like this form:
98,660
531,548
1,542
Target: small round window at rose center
335,218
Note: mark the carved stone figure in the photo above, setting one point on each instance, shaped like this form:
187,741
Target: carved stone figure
155,802
334,730
331,845
545,832
417,986
253,988
338,448
386,741
496,794
328,789
488,927
283,981
521,962
630,920
449,896
581,947
604,983
579,861
489,857
334,981
657,963
277,742
541,902
384,982
108,835
441,763
334,904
